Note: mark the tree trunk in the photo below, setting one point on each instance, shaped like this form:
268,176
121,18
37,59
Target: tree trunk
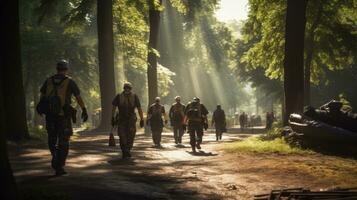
9,10
294,57
106,60
14,94
7,178
154,21
309,49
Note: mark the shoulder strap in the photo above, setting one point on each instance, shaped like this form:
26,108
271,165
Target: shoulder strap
55,86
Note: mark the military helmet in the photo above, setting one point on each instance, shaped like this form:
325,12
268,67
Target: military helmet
177,98
62,64
196,99
157,99
127,85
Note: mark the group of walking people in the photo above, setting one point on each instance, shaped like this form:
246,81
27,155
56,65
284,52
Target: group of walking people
55,103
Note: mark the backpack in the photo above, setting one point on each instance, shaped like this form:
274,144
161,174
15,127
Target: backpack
156,114
194,112
177,112
54,100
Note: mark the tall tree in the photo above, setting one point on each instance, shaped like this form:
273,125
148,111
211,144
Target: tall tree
309,50
106,59
154,21
294,57
9,57
14,99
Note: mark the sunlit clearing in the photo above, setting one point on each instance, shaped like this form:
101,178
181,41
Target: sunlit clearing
232,10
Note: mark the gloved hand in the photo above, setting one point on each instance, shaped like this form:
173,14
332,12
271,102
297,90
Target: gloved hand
141,123
84,114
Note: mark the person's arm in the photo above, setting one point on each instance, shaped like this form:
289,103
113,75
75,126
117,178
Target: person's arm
80,102
213,116
170,112
140,111
164,114
114,109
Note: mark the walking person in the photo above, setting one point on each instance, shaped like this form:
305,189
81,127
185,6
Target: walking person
219,122
196,119
177,115
55,103
126,102
155,114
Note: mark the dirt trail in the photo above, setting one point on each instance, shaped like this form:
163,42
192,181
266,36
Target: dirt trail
97,172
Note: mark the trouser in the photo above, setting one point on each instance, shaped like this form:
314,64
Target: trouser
195,130
178,133
59,131
126,133
219,133
156,134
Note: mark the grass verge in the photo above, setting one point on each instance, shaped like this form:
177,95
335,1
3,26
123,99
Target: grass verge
259,144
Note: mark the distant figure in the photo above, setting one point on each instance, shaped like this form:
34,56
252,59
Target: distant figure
243,118
269,120
219,121
155,114
196,118
177,115
126,102
56,93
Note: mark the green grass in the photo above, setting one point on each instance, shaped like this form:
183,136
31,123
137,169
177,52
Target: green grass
258,144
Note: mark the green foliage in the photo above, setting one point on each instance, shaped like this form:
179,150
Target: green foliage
258,145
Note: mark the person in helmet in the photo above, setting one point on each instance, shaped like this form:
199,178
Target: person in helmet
55,103
219,122
156,113
177,114
196,119
126,102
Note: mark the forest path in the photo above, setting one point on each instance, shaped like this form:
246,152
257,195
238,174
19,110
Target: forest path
96,171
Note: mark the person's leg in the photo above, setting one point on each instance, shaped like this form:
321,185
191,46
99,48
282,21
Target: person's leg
159,134
217,134
131,137
52,140
199,131
123,139
180,134
176,132
191,131
64,133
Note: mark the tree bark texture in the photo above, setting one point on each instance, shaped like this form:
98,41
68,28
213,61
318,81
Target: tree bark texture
154,21
14,94
294,57
106,60
309,50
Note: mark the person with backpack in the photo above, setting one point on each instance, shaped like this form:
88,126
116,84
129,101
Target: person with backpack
177,115
196,119
219,122
55,103
155,114
126,102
